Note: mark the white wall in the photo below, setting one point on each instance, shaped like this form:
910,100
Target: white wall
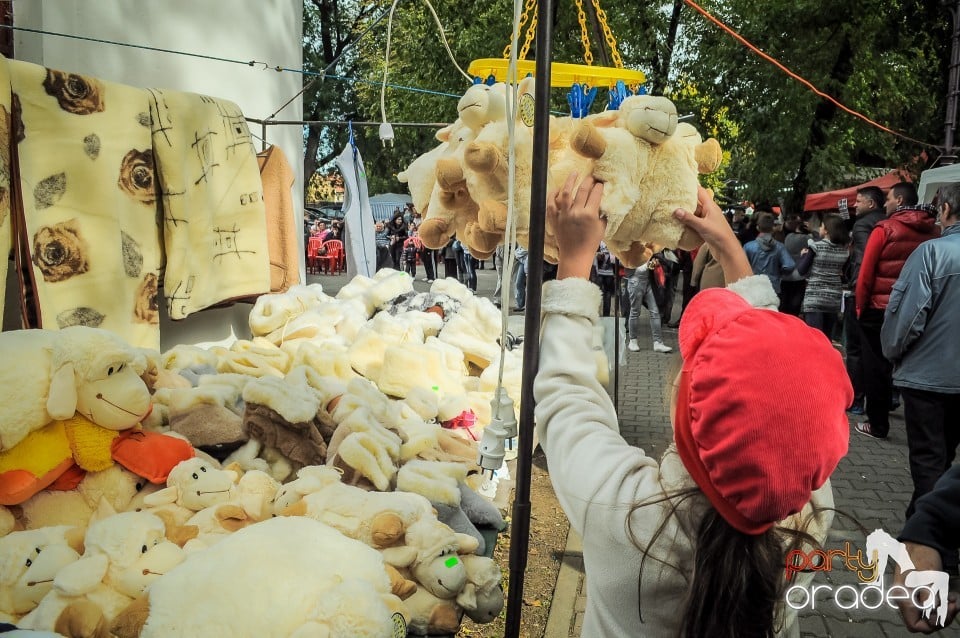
264,30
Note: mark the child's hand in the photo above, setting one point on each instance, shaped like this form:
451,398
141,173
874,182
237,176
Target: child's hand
709,222
574,214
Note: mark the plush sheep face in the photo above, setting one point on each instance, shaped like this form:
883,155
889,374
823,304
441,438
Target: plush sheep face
154,561
443,575
137,549
481,104
200,484
28,562
113,395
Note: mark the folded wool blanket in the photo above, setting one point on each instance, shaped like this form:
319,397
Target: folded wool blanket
214,221
86,180
278,179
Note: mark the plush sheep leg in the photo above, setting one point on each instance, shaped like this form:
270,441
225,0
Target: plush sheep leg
434,232
708,155
131,620
587,141
387,529
481,243
492,216
82,619
450,174
400,587
483,157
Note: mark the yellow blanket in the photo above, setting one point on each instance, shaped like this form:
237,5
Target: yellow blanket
89,202
214,224
124,190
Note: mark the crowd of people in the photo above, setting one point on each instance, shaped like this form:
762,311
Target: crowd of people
707,526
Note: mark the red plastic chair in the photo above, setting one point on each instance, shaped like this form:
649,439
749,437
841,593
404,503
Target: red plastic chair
313,254
333,257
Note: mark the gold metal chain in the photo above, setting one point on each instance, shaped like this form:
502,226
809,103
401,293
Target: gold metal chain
607,33
584,34
528,6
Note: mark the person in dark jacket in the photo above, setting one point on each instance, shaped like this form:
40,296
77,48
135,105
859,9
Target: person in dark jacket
398,230
918,337
869,210
931,536
793,284
767,256
892,241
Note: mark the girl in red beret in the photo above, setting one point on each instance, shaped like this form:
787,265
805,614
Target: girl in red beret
694,544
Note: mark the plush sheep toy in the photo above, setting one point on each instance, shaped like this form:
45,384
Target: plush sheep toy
29,560
124,553
288,576
52,374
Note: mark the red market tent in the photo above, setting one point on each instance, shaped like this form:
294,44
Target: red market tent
846,197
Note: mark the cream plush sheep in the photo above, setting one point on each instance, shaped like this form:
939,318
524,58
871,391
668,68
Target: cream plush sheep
377,519
648,172
430,554
29,560
123,554
53,374
451,209
116,485
288,576
252,503
192,486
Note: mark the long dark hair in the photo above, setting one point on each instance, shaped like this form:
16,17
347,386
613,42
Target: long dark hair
736,584
738,579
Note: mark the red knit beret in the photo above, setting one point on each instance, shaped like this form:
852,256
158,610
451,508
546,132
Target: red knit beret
760,421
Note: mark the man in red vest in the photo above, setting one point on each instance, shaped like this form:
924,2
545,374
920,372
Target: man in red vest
892,240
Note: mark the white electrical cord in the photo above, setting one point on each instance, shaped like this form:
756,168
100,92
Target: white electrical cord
510,238
386,61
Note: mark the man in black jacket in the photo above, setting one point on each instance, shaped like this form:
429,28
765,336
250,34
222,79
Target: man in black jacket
931,536
869,211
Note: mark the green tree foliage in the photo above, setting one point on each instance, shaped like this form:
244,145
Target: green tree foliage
883,58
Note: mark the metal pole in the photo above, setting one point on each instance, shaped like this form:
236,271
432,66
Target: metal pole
520,530
953,82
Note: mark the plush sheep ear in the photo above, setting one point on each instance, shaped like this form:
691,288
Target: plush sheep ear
297,509
467,598
62,399
466,544
81,576
166,496
607,118
444,134
399,556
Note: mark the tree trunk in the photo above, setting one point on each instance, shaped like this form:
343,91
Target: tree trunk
824,113
660,82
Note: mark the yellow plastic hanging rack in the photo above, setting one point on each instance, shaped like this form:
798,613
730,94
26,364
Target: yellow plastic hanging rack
562,74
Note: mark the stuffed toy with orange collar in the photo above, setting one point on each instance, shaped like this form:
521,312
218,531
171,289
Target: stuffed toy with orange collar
71,405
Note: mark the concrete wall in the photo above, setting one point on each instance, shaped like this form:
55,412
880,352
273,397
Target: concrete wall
268,31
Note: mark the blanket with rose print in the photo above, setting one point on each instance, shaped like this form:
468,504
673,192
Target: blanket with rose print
124,189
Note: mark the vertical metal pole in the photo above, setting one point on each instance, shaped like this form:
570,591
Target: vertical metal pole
953,82
263,135
520,530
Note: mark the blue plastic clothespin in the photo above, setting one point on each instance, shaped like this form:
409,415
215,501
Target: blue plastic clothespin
617,95
580,100
477,80
350,130
641,90
491,80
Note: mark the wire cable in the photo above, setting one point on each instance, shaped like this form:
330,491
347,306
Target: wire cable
802,80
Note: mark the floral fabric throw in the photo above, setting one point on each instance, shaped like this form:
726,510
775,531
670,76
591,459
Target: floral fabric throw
124,190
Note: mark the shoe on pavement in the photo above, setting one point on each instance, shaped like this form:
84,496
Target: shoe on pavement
864,428
659,346
518,308
633,346
856,409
